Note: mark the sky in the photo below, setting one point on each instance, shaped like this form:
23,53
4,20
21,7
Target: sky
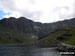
45,11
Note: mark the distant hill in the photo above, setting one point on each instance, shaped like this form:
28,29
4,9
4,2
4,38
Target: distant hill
23,30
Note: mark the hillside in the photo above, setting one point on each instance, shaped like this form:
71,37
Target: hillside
65,35
10,36
23,30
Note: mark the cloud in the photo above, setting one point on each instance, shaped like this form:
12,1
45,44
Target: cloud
39,10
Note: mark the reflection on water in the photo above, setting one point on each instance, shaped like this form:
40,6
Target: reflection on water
14,50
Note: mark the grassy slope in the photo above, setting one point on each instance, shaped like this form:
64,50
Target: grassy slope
9,36
70,39
63,35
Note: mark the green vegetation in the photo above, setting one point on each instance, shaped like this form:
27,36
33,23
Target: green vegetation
51,39
54,35
64,35
8,36
70,38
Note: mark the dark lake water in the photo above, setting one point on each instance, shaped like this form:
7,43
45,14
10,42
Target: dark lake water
21,50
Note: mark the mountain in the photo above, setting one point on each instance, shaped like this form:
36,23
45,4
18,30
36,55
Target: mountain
22,25
22,30
13,28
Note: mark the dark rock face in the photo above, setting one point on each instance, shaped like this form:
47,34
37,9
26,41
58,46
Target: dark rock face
26,26
22,24
65,23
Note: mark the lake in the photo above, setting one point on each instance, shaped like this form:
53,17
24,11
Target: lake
21,50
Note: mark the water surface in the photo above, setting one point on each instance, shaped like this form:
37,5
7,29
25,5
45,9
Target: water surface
21,50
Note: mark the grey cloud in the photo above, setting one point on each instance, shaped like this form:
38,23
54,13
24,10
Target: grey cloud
32,1
32,15
66,15
7,4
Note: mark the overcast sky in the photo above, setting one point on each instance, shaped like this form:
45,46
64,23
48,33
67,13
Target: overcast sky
44,11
